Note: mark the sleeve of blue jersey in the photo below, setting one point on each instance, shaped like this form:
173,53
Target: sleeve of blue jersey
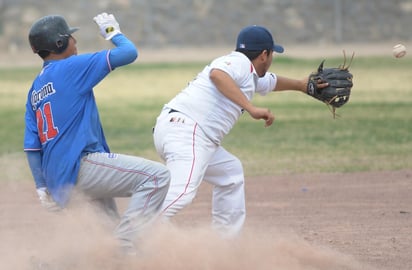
124,53
34,160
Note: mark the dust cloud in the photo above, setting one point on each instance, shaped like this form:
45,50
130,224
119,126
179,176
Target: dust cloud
80,238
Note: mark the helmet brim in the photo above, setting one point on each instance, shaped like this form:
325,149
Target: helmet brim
73,29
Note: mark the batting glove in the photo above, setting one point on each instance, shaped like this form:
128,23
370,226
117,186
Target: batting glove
108,25
46,200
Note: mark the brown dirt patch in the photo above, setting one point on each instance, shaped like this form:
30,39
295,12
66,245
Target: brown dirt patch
366,216
316,221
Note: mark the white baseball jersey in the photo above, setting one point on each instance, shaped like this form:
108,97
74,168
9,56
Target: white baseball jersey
205,104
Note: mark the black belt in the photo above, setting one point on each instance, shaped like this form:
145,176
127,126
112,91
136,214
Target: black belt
173,110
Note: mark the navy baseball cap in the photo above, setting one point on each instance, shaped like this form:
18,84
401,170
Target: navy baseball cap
256,38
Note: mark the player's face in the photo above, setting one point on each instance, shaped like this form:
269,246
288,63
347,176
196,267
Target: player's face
264,63
269,60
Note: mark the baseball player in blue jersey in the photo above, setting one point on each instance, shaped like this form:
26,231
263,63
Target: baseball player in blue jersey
190,128
64,140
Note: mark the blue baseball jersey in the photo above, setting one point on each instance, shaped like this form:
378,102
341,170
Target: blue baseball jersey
62,119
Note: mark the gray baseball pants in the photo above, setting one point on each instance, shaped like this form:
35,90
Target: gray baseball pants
105,176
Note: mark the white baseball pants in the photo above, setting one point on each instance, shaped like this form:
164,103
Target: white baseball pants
191,157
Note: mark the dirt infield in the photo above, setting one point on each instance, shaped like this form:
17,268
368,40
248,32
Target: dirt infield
294,222
366,216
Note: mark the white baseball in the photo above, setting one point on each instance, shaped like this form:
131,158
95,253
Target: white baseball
399,50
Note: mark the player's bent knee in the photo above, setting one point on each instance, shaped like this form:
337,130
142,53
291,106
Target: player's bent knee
235,167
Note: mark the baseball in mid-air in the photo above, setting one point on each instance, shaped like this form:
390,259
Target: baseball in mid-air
399,50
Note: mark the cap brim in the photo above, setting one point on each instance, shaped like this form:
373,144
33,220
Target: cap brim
278,48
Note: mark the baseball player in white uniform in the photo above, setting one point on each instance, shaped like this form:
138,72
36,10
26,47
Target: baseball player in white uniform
190,128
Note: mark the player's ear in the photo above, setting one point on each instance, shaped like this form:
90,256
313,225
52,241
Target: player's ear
264,54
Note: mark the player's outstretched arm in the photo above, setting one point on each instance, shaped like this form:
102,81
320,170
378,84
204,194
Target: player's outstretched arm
124,53
284,83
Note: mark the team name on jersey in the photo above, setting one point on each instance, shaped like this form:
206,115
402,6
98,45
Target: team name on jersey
37,96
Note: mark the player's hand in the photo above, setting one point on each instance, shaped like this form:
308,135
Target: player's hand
320,84
46,200
108,25
262,113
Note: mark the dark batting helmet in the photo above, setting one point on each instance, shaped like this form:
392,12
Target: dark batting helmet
51,34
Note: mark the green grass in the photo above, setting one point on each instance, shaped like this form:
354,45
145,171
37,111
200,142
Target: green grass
373,132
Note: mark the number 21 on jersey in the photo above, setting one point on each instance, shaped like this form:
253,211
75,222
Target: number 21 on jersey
45,124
